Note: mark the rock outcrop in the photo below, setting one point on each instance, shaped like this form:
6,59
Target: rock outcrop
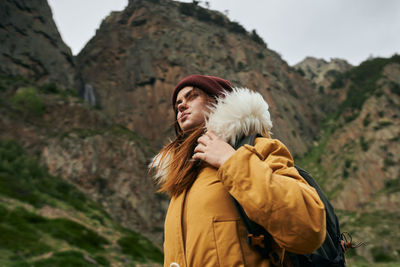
31,45
138,55
79,143
357,161
321,72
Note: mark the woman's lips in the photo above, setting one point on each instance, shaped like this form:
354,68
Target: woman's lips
184,117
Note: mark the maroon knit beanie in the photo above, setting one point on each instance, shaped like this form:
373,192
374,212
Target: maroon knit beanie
211,85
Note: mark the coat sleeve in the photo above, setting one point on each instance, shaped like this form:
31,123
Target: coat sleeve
273,194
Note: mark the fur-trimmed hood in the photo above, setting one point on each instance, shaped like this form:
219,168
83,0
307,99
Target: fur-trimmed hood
238,113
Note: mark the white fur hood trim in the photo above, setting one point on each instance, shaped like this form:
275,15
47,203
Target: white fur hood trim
239,113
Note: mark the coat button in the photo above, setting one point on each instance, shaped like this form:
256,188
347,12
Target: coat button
174,264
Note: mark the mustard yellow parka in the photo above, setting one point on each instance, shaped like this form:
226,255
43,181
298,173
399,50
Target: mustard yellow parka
203,227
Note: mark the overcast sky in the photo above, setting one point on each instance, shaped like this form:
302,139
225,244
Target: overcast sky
348,29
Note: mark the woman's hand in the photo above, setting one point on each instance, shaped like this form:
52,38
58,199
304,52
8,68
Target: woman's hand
212,149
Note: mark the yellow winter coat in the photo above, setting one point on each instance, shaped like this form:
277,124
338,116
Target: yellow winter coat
203,227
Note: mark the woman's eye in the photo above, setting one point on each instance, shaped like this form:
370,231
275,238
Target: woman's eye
193,95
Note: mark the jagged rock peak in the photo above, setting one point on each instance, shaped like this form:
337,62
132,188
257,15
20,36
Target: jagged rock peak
31,45
138,55
316,69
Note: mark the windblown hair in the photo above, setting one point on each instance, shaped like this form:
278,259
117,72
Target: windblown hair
176,160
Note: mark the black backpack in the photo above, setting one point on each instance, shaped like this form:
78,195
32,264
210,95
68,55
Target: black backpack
329,254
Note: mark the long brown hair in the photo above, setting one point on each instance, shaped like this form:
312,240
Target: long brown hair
176,158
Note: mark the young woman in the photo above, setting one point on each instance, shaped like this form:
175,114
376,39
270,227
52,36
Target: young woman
200,170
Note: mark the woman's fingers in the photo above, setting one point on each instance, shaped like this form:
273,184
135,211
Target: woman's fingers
200,156
212,149
199,148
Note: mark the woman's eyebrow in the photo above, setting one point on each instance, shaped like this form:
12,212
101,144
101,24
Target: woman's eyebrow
187,94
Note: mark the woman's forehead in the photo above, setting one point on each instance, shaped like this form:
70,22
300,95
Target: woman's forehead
183,91
187,89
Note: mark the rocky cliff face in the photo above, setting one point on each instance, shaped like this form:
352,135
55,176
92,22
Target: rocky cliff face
357,159
31,45
368,145
79,143
322,75
321,72
138,55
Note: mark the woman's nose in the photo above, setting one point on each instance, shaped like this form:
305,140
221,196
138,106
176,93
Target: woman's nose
182,106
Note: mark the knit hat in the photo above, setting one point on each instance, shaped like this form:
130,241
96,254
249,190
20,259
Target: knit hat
211,85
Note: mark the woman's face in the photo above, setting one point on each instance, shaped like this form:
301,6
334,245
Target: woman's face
191,105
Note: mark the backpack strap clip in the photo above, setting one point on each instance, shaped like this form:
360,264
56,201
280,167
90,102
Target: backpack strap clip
256,240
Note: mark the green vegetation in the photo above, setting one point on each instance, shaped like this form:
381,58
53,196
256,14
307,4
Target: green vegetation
393,185
49,88
140,249
363,83
364,144
395,88
300,71
27,101
203,14
17,233
68,258
30,239
7,81
234,26
312,159
382,124
367,120
376,241
114,129
74,233
22,231
256,38
22,178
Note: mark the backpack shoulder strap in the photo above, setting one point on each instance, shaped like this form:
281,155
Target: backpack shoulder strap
249,139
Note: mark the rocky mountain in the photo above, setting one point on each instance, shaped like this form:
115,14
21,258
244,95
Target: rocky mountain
321,72
31,45
356,158
65,165
138,55
77,133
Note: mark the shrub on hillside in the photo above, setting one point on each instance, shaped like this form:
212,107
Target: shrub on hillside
27,101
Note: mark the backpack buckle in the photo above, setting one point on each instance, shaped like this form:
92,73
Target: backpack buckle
256,240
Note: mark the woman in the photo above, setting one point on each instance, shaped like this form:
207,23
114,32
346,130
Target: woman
200,170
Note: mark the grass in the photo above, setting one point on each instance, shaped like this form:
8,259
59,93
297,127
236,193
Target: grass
378,229
139,248
26,236
22,178
312,159
22,232
18,235
65,259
